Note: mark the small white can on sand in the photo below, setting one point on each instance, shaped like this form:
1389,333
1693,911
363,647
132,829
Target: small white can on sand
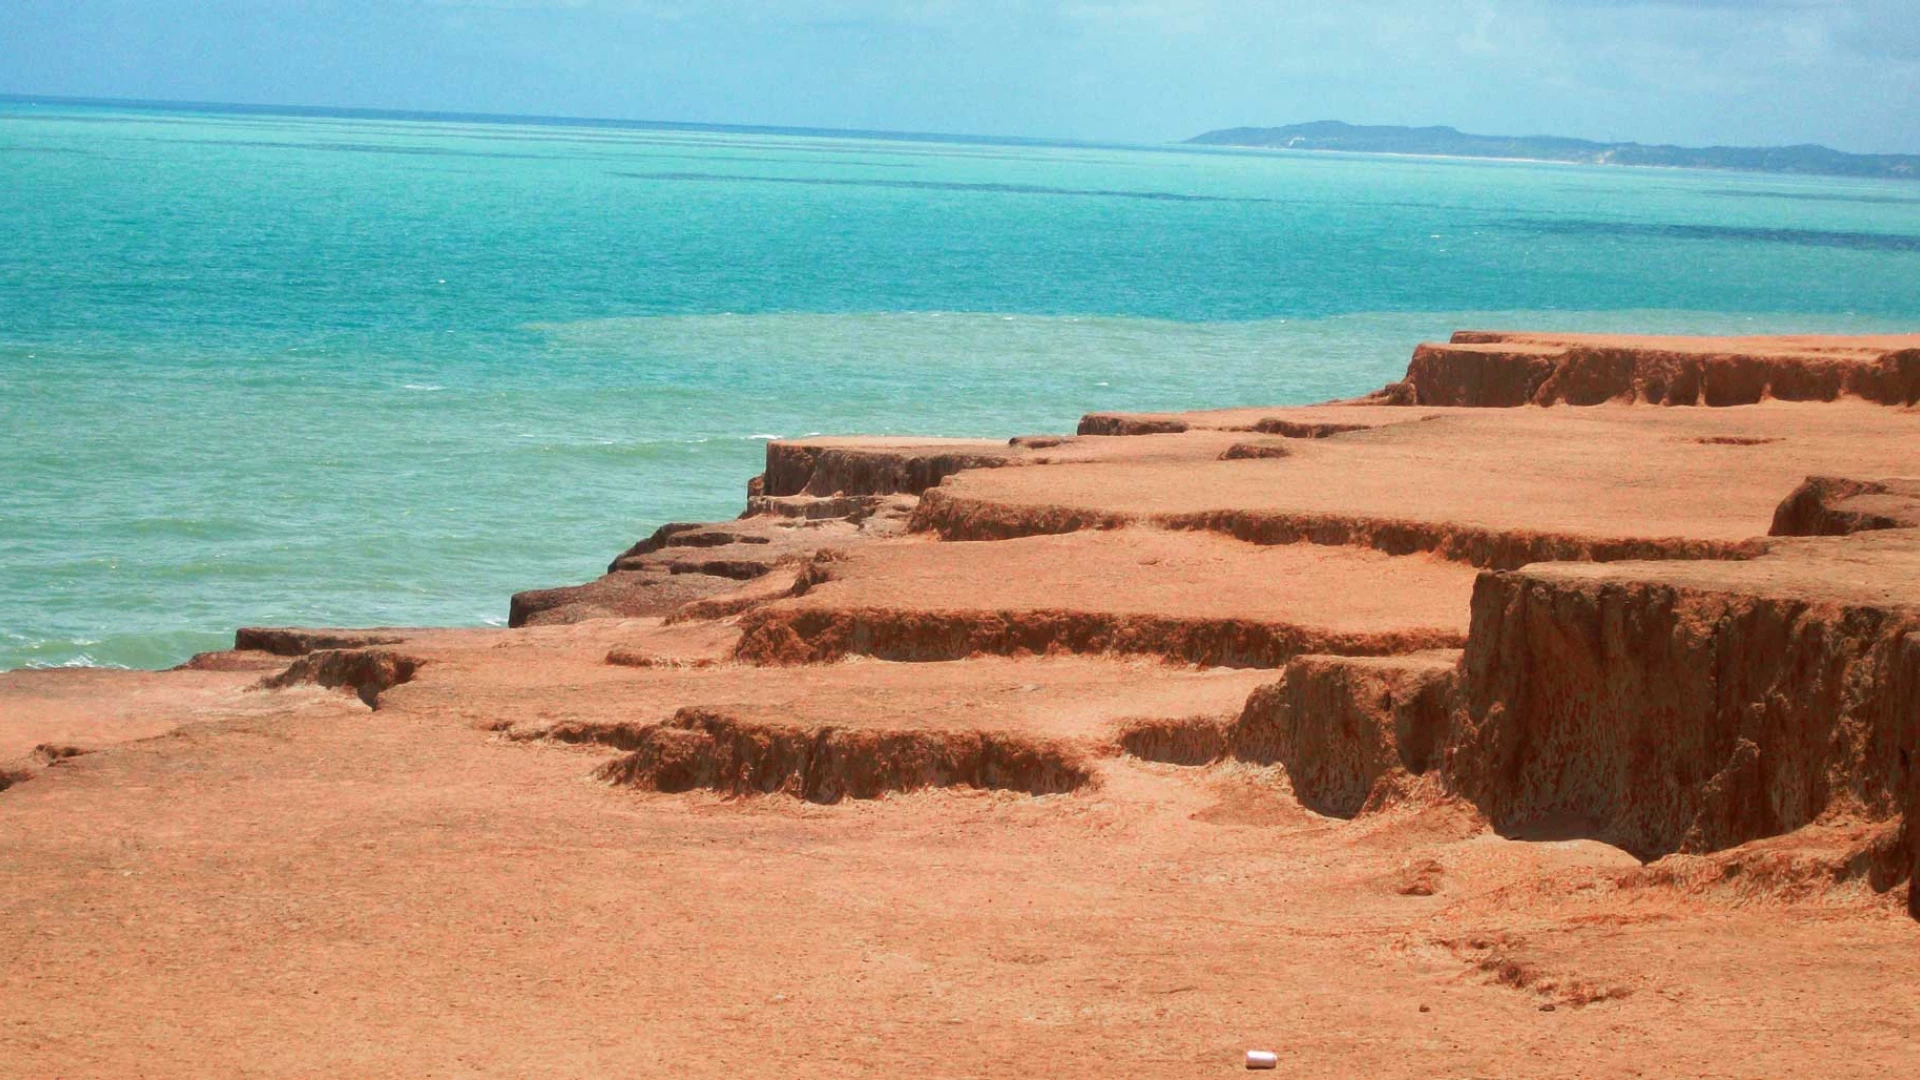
1262,1059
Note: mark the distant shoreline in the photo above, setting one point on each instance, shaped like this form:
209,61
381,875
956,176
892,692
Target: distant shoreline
1323,137
1475,159
1451,144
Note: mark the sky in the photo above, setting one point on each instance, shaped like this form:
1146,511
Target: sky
1845,73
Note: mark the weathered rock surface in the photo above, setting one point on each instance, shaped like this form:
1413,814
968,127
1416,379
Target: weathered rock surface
829,467
1483,368
1196,598
956,517
1292,422
1496,488
682,718
626,594
367,672
715,751
285,641
1353,733
1838,506
700,567
1693,707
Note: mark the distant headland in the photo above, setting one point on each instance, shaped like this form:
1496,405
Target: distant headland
1450,142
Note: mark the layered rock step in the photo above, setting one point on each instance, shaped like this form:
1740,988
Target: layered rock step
1193,597
825,494
1682,706
684,563
1494,488
1494,368
1353,733
1296,422
673,711
1667,708
673,715
866,465
1036,726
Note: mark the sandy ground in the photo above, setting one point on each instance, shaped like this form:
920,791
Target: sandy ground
328,890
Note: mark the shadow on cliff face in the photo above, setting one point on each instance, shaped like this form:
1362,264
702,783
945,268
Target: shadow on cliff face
1767,744
1354,734
1678,719
1555,828
703,749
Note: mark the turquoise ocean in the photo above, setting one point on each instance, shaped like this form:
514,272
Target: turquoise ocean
353,370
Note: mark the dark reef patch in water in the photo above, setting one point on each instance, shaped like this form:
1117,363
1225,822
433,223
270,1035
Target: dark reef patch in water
366,148
1818,196
936,185
1855,241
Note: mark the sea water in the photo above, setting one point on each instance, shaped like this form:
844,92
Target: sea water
358,370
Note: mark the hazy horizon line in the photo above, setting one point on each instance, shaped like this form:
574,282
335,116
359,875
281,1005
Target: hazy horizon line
372,112
1182,145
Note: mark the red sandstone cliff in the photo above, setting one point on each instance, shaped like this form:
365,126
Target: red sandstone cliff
1488,369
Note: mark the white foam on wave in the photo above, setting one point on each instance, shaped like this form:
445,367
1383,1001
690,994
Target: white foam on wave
81,661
